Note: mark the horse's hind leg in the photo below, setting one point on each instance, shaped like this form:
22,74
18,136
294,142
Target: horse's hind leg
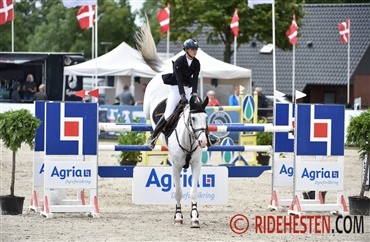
195,169
178,219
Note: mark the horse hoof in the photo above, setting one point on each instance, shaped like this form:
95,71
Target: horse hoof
178,222
194,224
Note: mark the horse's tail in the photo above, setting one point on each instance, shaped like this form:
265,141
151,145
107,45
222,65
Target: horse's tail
146,45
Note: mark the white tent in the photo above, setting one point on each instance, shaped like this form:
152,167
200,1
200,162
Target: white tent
227,75
121,61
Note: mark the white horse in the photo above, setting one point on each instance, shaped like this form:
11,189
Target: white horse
188,138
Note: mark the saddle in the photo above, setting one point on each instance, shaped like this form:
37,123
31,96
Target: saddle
172,120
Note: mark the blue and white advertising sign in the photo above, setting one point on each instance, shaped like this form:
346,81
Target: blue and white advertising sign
320,176
67,174
284,142
283,172
320,130
38,167
248,107
71,128
155,185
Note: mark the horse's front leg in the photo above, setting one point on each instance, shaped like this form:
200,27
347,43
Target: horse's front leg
195,170
178,219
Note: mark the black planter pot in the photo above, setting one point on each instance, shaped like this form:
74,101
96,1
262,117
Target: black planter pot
359,205
11,205
263,160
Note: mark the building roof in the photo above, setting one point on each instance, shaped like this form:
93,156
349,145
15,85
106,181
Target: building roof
325,63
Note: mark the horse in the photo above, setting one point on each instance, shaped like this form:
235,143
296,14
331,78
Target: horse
187,138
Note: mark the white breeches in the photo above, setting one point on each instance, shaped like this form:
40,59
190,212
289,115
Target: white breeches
174,99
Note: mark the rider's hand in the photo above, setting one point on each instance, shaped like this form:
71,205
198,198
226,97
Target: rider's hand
183,100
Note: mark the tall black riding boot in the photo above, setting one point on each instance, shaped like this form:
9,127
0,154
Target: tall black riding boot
153,138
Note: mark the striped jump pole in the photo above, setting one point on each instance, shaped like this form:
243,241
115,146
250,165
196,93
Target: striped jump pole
112,127
241,148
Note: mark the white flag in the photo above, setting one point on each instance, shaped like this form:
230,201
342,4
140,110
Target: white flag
251,3
279,94
75,3
299,95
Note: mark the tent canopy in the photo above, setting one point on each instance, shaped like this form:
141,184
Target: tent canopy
121,61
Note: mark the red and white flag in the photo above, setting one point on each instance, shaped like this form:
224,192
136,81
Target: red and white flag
344,31
86,16
293,32
6,11
164,19
235,23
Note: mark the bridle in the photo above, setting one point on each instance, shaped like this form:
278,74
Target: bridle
193,137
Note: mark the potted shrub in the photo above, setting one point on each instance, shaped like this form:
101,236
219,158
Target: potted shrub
358,134
264,138
16,127
130,138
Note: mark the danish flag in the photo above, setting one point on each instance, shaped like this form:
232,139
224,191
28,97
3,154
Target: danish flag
235,23
6,11
344,31
86,16
164,19
292,32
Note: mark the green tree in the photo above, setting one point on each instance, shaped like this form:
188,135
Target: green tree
189,17
48,26
60,30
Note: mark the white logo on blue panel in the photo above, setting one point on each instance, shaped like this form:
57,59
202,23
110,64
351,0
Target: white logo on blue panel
284,142
320,130
71,129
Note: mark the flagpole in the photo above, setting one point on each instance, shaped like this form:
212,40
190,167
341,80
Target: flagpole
293,73
348,61
235,43
92,41
168,43
168,32
13,31
96,48
273,57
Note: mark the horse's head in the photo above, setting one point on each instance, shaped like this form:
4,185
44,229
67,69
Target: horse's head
198,119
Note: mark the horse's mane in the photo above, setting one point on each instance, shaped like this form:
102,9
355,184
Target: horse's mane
146,45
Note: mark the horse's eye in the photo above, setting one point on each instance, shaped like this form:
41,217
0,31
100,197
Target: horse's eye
192,119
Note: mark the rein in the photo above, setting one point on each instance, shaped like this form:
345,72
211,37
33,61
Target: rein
192,138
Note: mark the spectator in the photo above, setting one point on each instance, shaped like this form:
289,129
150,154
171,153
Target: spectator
143,88
262,103
40,95
234,98
212,101
125,98
16,98
29,88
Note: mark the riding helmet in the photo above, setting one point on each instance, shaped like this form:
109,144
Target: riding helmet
190,44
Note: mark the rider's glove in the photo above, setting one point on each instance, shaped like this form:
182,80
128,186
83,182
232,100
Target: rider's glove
183,100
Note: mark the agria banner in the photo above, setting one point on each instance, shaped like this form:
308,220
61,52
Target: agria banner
155,185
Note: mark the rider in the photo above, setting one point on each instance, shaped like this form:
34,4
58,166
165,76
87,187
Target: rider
184,83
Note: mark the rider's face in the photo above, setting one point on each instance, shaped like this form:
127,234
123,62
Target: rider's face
192,51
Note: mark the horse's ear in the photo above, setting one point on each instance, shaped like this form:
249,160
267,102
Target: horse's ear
205,102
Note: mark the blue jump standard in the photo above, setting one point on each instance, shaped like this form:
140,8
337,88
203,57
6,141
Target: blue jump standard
128,171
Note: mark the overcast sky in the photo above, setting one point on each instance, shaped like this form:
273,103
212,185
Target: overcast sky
136,5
